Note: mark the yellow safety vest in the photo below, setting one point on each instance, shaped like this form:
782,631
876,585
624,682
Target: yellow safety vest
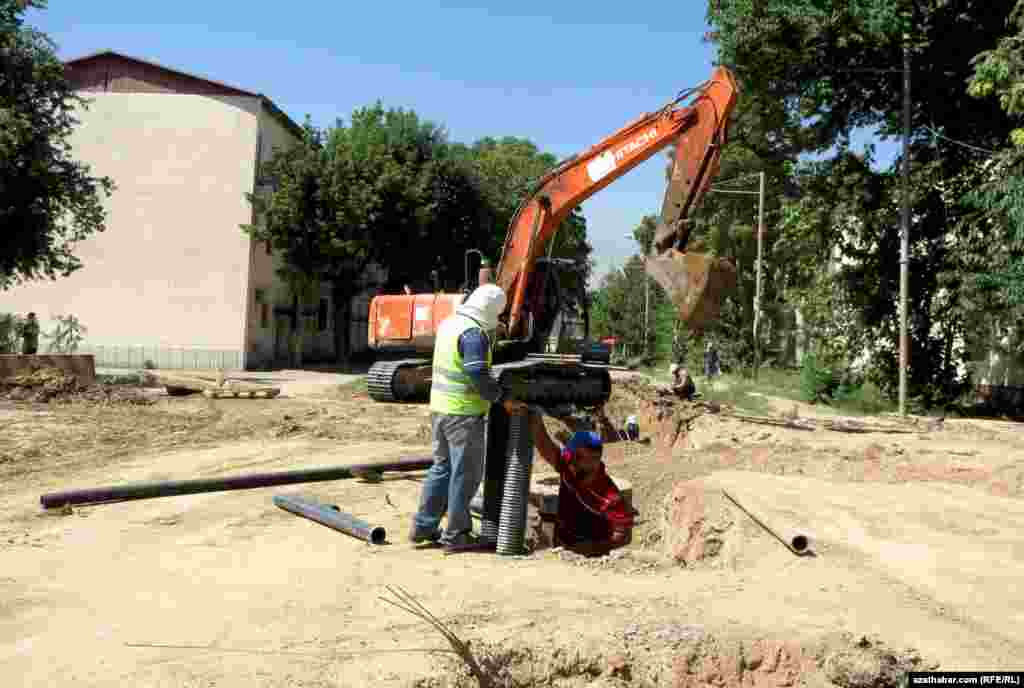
452,391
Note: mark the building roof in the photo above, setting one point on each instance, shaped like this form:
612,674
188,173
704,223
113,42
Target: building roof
227,89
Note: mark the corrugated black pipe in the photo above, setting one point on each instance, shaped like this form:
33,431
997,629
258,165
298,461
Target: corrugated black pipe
512,523
494,472
331,517
171,488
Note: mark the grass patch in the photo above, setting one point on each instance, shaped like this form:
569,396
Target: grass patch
867,400
752,396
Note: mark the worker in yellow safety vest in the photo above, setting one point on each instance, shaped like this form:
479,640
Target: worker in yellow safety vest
461,394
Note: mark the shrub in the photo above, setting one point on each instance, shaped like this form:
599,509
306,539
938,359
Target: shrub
817,383
10,333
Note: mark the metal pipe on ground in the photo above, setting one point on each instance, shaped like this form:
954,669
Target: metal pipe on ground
516,493
172,488
332,517
796,542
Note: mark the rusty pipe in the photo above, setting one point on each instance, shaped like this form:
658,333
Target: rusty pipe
171,488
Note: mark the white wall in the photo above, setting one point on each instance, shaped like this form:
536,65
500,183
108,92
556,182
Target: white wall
171,270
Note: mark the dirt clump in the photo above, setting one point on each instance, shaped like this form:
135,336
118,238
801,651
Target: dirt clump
46,385
867,663
763,663
525,666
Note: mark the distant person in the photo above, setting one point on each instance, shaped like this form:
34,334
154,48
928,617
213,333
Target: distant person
30,335
592,514
682,383
632,428
712,363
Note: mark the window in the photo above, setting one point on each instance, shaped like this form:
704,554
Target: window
321,316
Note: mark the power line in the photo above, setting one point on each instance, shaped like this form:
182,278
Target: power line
737,179
960,143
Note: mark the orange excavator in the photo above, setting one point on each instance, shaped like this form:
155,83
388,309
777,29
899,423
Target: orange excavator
695,283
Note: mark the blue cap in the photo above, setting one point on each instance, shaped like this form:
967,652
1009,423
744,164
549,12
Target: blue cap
591,440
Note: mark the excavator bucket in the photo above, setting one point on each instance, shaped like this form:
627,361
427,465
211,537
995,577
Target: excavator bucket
695,283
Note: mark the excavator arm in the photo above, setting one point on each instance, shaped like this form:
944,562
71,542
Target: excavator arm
694,283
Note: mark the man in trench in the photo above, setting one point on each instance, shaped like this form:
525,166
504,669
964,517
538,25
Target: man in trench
593,517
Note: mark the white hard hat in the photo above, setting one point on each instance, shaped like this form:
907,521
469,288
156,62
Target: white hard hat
673,368
484,305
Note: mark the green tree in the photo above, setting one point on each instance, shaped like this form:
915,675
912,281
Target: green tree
812,73
507,171
298,218
999,73
617,310
48,200
382,187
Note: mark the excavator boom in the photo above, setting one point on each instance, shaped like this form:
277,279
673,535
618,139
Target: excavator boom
695,283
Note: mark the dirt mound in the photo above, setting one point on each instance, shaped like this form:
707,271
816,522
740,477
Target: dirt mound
684,656
525,666
774,663
728,664
867,663
701,528
45,385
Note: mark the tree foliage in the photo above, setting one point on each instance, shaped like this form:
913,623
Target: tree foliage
812,72
999,73
507,171
48,200
388,186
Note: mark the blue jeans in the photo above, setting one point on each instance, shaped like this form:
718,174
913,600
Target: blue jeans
458,445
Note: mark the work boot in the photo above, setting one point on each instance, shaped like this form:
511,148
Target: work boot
417,536
459,540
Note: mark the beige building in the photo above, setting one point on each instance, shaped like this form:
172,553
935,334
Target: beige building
174,281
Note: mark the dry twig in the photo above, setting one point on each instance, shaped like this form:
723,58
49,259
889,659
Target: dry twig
409,604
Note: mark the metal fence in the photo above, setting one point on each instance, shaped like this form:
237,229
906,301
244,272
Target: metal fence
166,358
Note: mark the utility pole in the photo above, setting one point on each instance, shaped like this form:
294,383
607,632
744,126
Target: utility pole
757,288
647,292
760,254
905,233
647,307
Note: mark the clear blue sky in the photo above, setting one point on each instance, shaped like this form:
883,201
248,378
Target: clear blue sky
562,74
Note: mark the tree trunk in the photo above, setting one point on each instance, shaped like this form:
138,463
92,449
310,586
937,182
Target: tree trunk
801,342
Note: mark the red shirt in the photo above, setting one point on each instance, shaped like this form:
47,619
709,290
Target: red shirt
589,512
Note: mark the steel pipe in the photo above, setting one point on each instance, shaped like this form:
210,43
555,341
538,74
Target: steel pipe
795,541
172,488
332,517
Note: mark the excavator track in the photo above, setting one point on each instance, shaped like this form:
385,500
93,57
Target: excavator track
552,383
383,380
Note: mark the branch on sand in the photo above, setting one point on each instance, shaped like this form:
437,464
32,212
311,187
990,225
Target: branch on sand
409,604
